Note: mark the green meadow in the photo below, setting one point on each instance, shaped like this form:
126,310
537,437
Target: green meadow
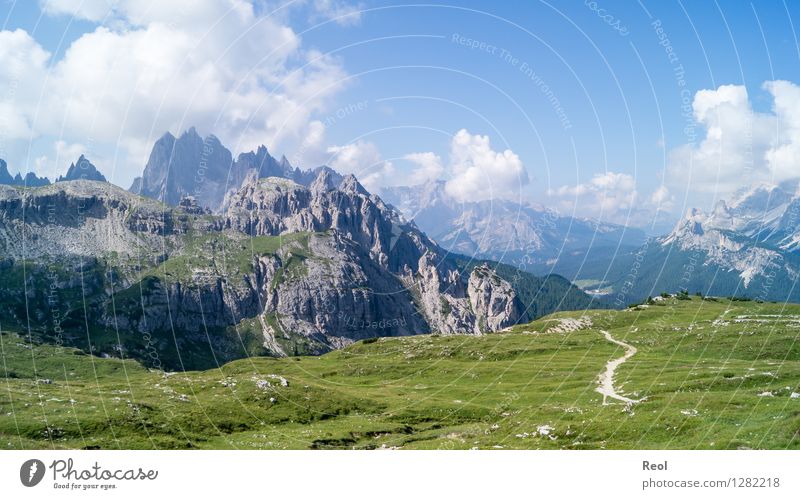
707,374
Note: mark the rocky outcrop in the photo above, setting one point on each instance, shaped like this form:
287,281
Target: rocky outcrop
334,296
274,205
87,219
493,300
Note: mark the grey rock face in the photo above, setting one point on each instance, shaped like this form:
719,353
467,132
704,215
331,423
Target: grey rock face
205,170
82,218
187,166
492,299
388,244
342,297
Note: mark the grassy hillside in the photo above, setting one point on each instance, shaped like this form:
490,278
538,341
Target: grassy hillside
713,375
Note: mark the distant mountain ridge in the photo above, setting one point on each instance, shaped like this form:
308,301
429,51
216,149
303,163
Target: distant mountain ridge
746,246
506,231
29,180
82,169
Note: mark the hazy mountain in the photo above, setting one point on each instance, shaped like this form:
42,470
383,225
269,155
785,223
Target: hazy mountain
83,169
747,246
29,180
506,231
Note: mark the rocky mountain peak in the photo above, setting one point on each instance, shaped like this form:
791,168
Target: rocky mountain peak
351,185
82,169
191,133
187,166
167,137
502,230
324,182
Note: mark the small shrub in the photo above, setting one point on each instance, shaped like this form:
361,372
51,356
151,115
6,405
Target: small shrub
367,341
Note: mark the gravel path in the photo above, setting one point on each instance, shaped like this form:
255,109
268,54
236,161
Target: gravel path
606,378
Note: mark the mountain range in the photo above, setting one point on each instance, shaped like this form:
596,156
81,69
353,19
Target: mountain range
208,258
298,263
746,246
30,179
204,169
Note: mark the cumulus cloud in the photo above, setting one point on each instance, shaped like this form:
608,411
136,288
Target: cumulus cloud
480,173
741,146
343,13
21,81
612,197
428,167
662,198
474,171
152,66
363,159
90,10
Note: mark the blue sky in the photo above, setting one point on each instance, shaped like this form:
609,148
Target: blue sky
400,79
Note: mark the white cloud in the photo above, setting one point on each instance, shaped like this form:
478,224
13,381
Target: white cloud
21,81
155,66
429,167
741,146
90,10
662,199
476,172
362,159
343,13
481,173
312,151
612,197
69,152
607,192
